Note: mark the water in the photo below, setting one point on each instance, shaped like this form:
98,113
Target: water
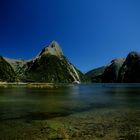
68,106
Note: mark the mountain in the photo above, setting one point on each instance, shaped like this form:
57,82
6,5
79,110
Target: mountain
95,75
6,71
18,66
111,72
130,70
108,73
122,70
50,65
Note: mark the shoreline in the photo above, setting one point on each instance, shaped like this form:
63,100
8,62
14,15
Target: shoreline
35,85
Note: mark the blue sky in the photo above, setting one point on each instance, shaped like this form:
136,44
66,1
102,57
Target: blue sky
90,32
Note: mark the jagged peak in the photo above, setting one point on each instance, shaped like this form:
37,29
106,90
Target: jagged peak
52,49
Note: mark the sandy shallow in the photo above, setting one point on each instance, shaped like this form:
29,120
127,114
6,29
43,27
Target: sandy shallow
102,124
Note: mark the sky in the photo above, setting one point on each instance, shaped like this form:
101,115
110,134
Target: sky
90,32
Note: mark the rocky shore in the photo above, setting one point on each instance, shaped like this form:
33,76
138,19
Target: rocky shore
91,125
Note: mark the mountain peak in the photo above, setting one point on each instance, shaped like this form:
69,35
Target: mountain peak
52,49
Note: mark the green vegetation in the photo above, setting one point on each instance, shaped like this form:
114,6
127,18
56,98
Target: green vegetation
50,68
6,71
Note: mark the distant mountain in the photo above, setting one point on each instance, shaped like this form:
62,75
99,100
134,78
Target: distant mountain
119,70
50,65
95,75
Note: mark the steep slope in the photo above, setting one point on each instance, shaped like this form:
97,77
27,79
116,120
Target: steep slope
52,66
52,49
120,70
130,71
107,74
6,71
19,66
95,75
111,73
124,70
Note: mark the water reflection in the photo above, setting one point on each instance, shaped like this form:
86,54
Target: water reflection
28,103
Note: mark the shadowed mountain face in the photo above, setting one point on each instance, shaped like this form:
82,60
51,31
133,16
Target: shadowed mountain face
111,73
49,66
130,70
120,70
6,71
96,74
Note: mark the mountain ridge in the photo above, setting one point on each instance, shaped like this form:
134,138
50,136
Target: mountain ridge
50,65
121,70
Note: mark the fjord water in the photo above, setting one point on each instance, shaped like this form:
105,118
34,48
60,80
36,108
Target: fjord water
75,111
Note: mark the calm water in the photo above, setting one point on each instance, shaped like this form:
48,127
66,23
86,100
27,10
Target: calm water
93,111
28,103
